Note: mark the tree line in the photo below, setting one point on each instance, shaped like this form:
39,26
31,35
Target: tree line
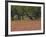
29,11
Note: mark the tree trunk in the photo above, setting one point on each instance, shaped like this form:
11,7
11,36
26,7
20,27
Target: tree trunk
19,18
22,18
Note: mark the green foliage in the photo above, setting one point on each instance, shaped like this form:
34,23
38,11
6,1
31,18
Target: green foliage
25,10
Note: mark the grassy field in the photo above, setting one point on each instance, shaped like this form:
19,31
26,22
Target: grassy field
25,25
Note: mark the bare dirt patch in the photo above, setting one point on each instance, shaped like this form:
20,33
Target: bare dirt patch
25,25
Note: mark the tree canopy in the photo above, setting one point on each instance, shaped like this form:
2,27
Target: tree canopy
25,10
